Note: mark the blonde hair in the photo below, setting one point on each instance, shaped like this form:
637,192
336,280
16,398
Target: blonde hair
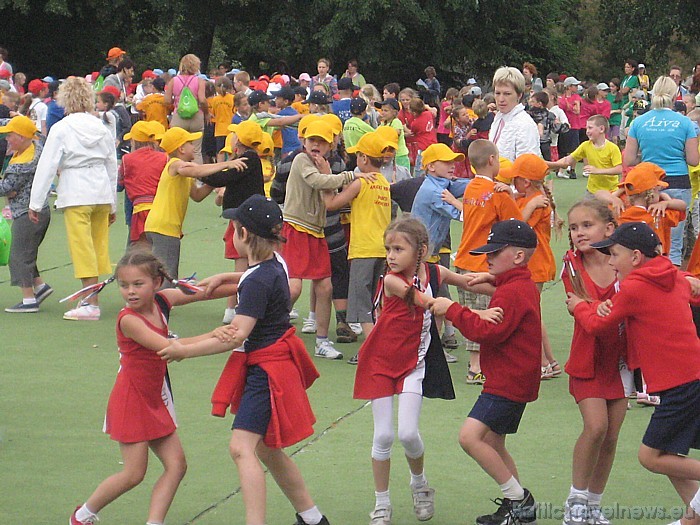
189,64
664,91
243,77
511,76
481,108
76,96
370,94
479,152
260,248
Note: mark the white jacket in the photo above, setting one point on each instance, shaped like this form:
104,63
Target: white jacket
83,150
518,133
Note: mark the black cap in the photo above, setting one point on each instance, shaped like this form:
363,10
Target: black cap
388,102
680,107
301,90
345,84
259,215
317,97
285,92
632,235
357,106
508,233
258,96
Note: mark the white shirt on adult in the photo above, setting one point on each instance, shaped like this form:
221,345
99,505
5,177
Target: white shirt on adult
515,133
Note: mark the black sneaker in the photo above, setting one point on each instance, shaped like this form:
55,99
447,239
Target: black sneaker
512,512
43,292
21,308
353,360
300,521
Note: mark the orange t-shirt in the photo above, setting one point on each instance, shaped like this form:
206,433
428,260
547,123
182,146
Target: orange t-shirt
301,108
221,111
482,207
662,226
541,264
155,108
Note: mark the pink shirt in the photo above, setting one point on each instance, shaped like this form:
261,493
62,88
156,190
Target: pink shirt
567,104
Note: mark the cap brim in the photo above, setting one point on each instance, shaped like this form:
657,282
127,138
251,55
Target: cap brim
5,129
229,213
604,245
353,149
488,248
194,136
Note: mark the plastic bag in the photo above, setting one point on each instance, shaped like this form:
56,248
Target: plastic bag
188,106
5,241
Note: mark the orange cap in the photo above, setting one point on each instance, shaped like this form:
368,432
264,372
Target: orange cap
115,52
529,166
644,176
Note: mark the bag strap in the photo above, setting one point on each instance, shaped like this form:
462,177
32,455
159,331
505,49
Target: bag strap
163,305
434,278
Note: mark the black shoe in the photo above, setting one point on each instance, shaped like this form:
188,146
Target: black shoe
300,521
353,360
22,308
512,512
43,292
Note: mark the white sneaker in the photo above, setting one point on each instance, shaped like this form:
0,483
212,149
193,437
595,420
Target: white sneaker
575,511
596,516
293,314
356,327
84,312
309,326
450,358
380,516
326,350
424,503
229,314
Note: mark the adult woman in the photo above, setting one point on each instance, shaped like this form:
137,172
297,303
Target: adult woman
324,77
353,74
84,152
668,139
513,130
188,76
630,82
530,74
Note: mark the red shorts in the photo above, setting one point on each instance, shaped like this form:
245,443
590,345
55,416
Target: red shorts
229,249
138,222
306,256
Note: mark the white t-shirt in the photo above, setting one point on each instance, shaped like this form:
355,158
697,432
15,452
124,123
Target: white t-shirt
559,113
37,112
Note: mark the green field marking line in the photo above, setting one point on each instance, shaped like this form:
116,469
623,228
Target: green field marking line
306,445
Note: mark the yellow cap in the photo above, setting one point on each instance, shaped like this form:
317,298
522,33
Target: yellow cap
371,144
334,121
305,121
176,137
390,134
267,147
227,145
21,125
319,129
440,152
249,133
505,171
145,131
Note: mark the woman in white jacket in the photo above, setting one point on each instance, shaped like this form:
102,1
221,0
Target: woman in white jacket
81,149
513,130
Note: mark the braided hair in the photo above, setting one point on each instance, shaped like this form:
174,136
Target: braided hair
415,232
144,259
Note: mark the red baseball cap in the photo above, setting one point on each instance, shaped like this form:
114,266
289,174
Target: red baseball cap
112,91
36,85
5,73
149,74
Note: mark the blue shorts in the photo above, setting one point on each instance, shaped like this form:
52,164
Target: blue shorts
501,415
255,410
675,424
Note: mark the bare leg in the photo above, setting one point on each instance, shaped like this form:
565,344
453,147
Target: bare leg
87,281
250,472
473,439
587,449
294,289
323,290
169,451
498,442
617,409
287,476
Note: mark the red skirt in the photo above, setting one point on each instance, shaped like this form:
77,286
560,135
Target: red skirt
138,222
230,251
605,384
306,256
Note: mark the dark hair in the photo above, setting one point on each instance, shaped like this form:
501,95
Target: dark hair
159,84
127,63
430,70
138,256
553,76
416,234
353,62
634,65
3,53
542,97
618,95
393,88
109,100
591,93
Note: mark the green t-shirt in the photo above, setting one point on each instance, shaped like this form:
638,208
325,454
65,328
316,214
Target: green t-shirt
353,129
632,82
263,123
398,126
615,118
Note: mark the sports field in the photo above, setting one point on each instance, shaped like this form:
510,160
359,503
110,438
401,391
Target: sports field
56,375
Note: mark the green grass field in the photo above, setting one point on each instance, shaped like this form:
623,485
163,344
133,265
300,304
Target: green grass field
55,378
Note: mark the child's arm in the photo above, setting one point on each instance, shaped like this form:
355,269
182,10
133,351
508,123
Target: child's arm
441,305
658,209
190,169
566,162
279,122
210,284
612,199
178,297
241,326
451,199
135,328
615,170
394,286
335,201
198,192
540,201
465,281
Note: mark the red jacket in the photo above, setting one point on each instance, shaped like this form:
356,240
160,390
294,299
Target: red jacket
653,303
290,372
510,351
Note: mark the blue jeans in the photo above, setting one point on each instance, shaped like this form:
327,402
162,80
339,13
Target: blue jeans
677,233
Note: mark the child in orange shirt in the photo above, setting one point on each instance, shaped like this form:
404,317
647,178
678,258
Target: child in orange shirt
529,172
221,112
153,106
646,203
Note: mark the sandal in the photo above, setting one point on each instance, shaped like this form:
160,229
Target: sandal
556,369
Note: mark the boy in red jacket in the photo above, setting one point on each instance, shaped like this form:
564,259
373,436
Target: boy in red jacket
653,303
510,359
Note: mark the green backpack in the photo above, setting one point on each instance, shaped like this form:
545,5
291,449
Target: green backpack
187,106
5,241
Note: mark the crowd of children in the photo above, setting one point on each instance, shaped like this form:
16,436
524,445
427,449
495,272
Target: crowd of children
309,172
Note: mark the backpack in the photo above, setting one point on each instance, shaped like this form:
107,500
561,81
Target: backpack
187,105
5,241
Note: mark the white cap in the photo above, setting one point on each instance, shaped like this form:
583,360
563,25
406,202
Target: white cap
476,91
471,81
571,81
641,66
603,87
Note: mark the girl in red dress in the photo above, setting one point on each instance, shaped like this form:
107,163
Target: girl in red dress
403,356
596,365
140,413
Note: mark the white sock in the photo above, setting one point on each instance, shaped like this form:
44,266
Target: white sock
418,481
594,499
382,499
449,330
312,317
312,516
320,339
678,522
512,490
573,492
29,300
84,514
153,523
695,502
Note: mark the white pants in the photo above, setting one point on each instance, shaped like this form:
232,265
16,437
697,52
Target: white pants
409,436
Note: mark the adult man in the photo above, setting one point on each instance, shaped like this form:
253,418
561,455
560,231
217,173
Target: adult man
122,78
114,56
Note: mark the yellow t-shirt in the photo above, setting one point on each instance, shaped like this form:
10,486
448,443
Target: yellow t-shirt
170,203
221,109
301,108
268,170
605,157
25,157
154,108
370,214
